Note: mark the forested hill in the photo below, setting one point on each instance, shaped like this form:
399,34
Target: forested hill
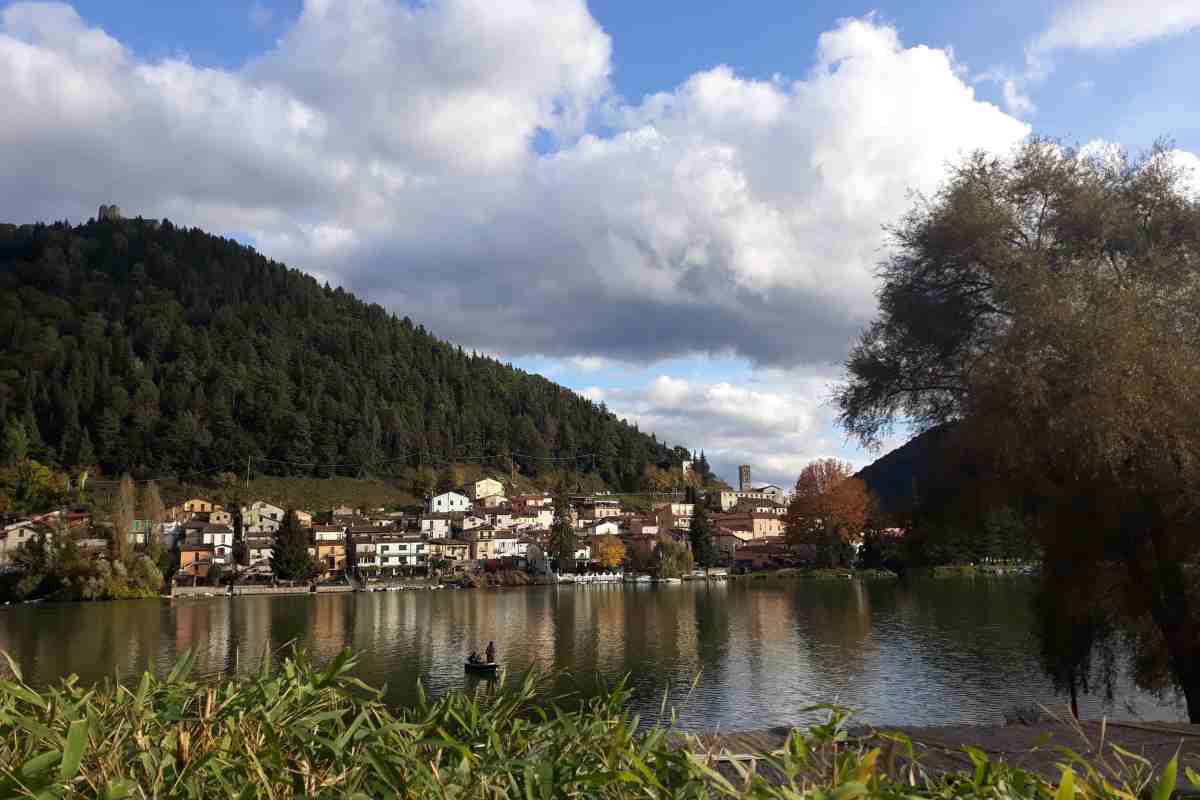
163,350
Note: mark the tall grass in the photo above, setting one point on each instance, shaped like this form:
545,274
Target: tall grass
299,730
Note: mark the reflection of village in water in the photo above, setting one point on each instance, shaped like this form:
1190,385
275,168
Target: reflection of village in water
741,654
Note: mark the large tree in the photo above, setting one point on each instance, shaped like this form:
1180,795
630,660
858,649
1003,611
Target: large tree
829,511
290,559
562,531
1049,304
704,549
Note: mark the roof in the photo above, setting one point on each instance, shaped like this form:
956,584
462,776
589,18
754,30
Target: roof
196,548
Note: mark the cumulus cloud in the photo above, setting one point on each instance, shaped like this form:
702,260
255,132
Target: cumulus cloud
1115,24
388,147
777,420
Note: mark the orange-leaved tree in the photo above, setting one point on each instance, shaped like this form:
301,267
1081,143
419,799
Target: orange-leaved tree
610,551
829,510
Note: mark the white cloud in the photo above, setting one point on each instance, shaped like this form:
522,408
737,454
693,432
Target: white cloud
775,420
1115,24
388,146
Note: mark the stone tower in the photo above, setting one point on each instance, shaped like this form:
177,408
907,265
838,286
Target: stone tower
108,213
744,484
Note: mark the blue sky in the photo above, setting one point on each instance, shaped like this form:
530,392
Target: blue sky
672,207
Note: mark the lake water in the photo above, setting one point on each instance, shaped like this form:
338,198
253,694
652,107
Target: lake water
731,655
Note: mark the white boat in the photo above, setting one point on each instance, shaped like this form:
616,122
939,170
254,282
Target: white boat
670,580
643,579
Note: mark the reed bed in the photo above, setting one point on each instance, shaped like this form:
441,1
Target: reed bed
295,729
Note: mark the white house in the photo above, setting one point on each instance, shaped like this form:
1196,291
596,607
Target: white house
16,534
602,527
506,544
221,539
437,526
449,502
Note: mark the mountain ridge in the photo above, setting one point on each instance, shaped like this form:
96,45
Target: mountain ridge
143,346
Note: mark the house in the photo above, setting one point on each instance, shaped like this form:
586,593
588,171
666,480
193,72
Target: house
343,511
330,554
400,551
449,501
258,550
266,510
759,525
469,521
601,527
506,543
221,539
305,518
195,560
483,541
599,508
455,551
522,501
15,534
642,526
329,533
486,487
197,506
361,550
493,501
438,526
751,506
763,556
728,541
674,515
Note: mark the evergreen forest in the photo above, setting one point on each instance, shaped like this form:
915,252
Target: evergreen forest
136,346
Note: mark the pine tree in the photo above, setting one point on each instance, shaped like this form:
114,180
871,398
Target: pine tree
562,532
16,442
289,556
704,550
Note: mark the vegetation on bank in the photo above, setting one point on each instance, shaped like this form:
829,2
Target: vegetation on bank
1041,313
305,731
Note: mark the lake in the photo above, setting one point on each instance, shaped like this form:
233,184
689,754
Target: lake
732,655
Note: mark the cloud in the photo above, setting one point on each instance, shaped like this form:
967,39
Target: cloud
1116,24
260,16
388,147
777,421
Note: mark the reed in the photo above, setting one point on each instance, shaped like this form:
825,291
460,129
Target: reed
299,730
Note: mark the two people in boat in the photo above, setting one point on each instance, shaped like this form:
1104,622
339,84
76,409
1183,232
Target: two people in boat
489,655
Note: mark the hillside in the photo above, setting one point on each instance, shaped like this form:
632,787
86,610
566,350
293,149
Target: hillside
906,475
162,350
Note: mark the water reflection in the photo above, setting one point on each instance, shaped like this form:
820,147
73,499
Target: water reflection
732,655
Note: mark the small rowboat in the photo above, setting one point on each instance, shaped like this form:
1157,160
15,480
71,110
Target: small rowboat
481,667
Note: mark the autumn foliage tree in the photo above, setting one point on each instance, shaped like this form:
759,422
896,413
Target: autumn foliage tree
1048,305
829,511
609,550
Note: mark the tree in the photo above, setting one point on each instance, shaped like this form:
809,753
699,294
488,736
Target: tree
829,511
289,554
1048,305
704,549
155,513
562,531
16,441
609,551
673,558
124,509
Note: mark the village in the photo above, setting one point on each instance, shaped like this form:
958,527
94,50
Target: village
473,530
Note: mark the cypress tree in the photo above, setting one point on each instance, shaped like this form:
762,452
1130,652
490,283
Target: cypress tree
289,555
704,550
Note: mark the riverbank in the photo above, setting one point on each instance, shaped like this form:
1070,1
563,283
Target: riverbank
309,731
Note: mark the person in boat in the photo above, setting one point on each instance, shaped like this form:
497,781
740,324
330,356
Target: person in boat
473,658
491,653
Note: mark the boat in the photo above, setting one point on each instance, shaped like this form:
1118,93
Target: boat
481,667
643,579
670,580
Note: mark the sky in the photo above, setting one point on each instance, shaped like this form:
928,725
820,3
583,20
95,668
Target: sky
674,208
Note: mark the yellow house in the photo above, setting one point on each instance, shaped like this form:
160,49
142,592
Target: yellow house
197,506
